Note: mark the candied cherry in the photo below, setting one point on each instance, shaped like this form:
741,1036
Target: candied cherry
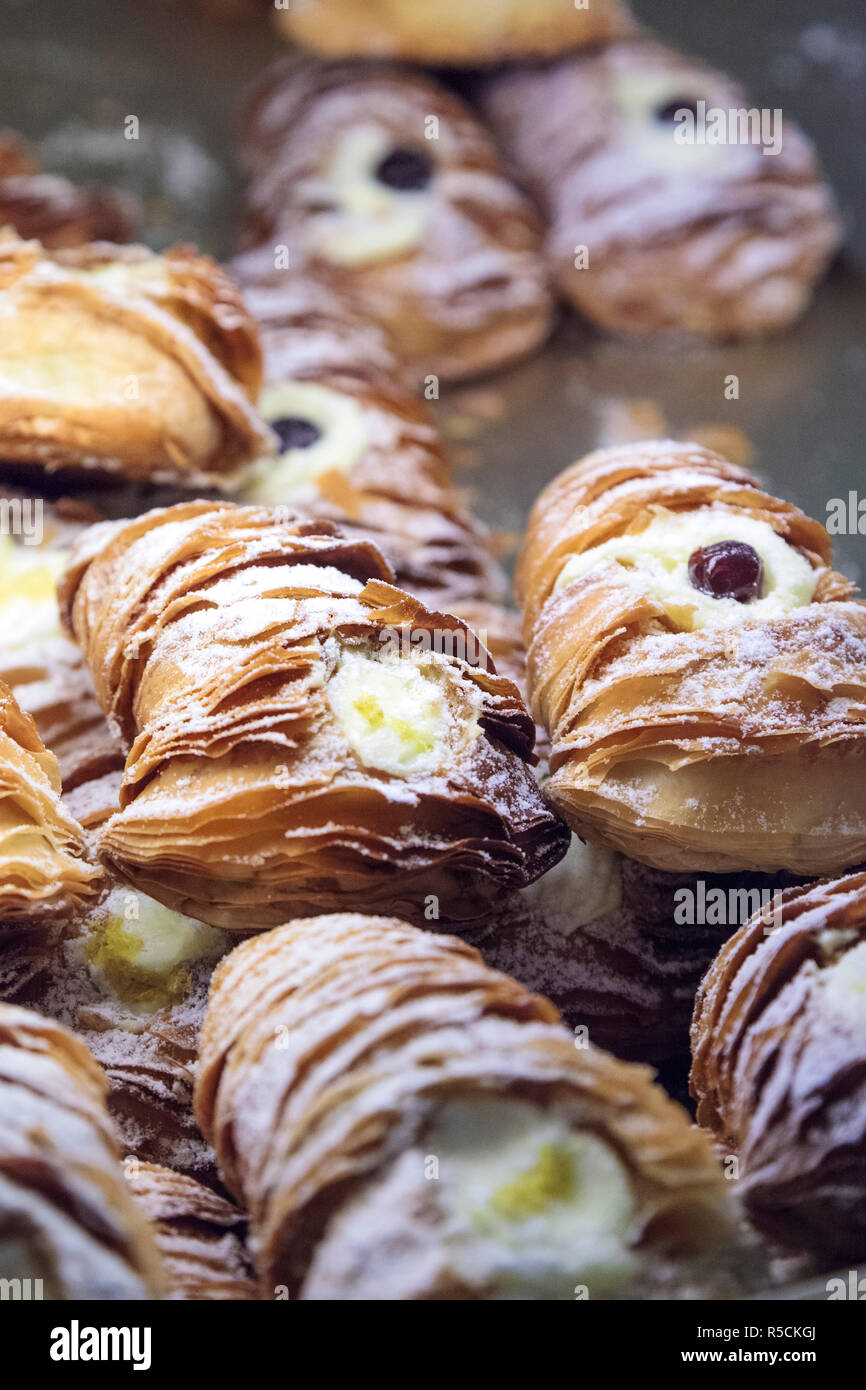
405,170
728,569
294,432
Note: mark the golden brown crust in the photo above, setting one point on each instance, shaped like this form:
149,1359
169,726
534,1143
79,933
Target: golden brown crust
212,633
66,1216
779,1066
385,1024
45,879
199,1235
382,472
651,235
463,288
161,383
737,747
448,32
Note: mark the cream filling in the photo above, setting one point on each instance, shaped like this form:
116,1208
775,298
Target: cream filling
582,887
28,593
370,222
345,438
659,556
393,713
844,986
653,142
533,1206
140,952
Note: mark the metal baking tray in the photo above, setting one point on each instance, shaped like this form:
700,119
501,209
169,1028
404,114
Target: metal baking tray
72,71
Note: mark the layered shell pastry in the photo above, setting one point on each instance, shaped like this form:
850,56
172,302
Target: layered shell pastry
270,731
299,730
357,446
166,367
779,1037
385,184
657,225
698,664
403,1122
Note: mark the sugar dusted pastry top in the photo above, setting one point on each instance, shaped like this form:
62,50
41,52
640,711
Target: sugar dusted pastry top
167,362
342,1056
778,1046
358,447
65,1213
385,184
698,664
299,730
650,232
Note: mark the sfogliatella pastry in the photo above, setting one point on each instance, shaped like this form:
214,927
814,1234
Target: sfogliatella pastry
654,224
404,1123
199,1235
45,878
130,978
356,446
68,1227
700,667
620,947
42,667
165,369
387,186
450,32
300,732
779,1067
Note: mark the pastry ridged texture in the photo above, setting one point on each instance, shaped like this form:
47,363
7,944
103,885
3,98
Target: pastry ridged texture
330,1044
608,940
45,879
721,749
66,1215
212,632
199,1235
48,677
649,235
468,292
166,368
779,1066
398,490
451,32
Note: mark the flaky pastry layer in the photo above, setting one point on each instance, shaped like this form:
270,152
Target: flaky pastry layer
738,746
225,645
329,1048
66,1215
779,1066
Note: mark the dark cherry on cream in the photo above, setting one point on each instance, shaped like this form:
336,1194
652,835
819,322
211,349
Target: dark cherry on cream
728,569
294,432
405,170
666,114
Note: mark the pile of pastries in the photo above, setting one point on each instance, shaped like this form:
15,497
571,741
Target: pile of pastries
342,905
